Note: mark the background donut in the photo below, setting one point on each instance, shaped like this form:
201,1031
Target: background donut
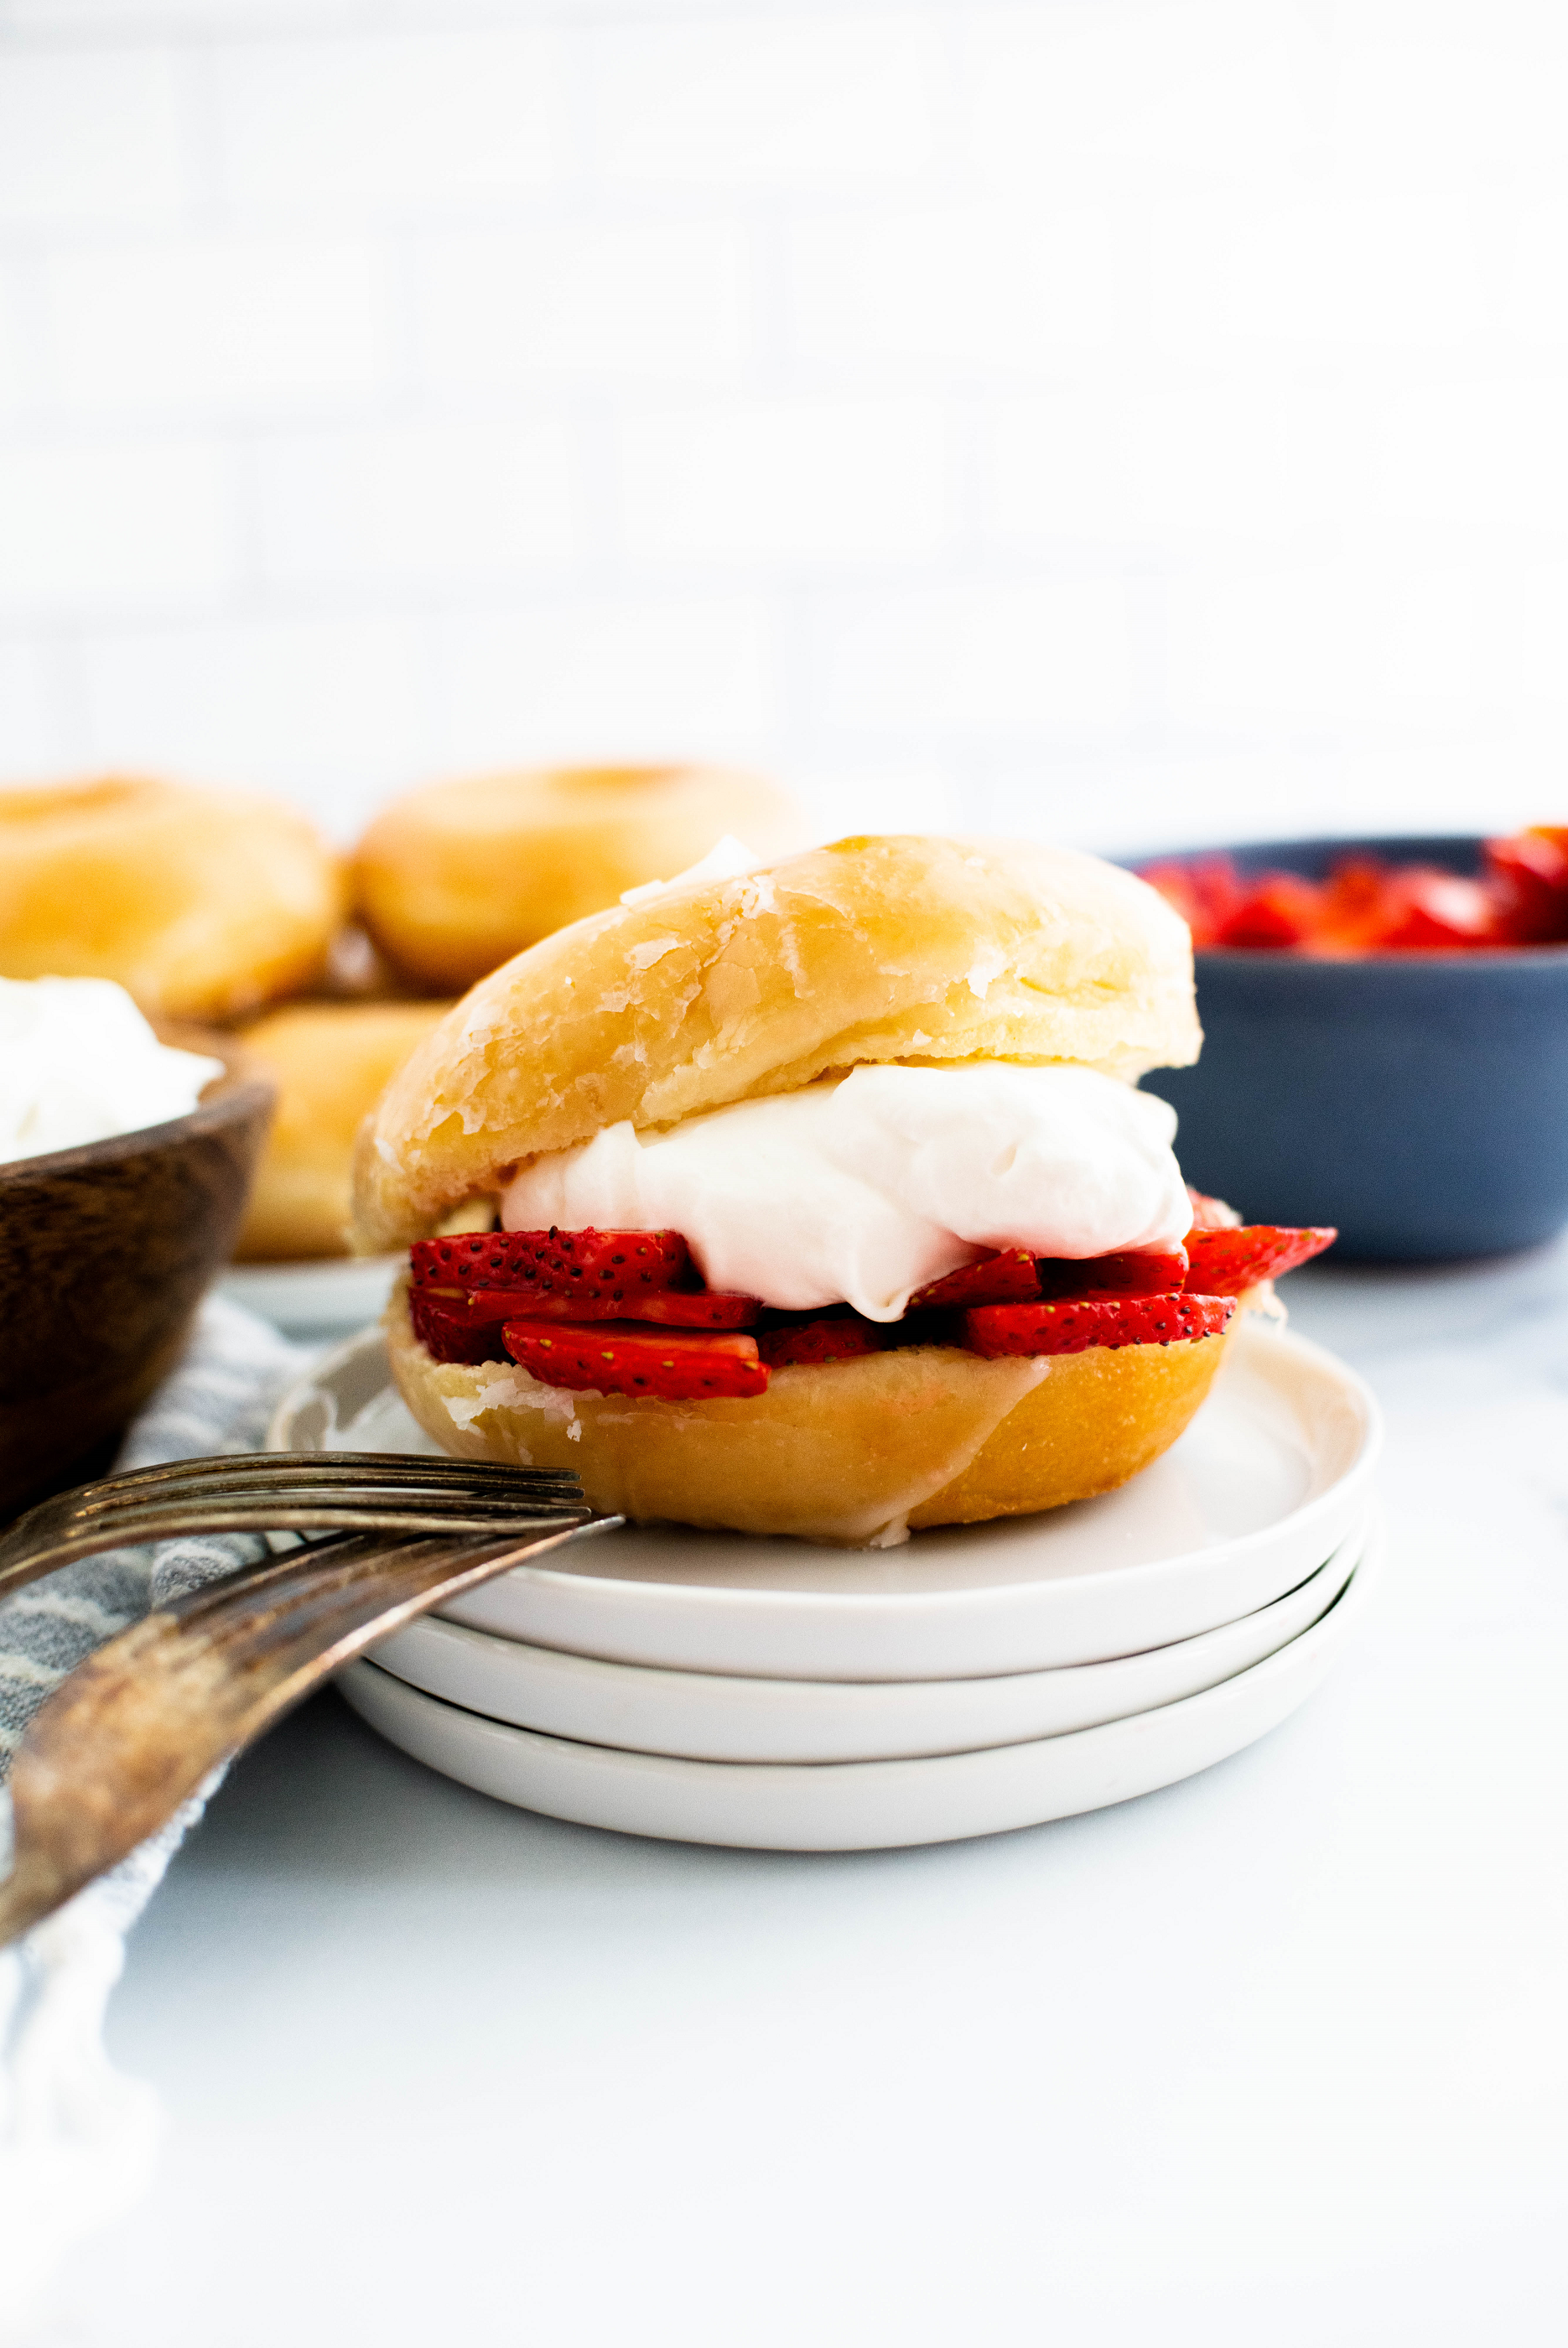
455,877
330,1062
203,904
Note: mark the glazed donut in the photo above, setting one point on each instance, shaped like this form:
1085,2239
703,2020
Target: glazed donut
455,877
954,981
330,1062
202,904
900,948
850,1452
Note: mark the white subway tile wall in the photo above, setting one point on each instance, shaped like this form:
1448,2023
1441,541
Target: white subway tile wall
1130,420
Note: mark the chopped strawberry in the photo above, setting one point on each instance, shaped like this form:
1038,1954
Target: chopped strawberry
1225,1262
1211,1214
1353,898
1074,1324
1281,910
557,1264
1529,877
834,1337
1367,906
1133,1272
1427,910
620,1358
1005,1276
449,1332
1205,893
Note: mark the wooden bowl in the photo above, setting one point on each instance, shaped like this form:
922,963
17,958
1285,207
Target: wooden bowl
105,1253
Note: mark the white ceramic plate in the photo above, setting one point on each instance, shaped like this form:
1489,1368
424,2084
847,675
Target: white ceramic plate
325,1295
702,1716
1271,1476
858,1804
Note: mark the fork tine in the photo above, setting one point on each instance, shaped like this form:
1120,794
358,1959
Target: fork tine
135,1729
288,1491
439,1463
240,1469
244,1471
388,1463
343,1513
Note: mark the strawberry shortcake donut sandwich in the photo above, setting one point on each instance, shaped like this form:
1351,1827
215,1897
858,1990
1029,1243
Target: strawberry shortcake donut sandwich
824,1200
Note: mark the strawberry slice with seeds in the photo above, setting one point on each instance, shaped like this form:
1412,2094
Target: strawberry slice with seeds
1005,1276
672,1308
449,1332
1211,1214
835,1337
1133,1272
1073,1324
553,1263
623,1358
1225,1262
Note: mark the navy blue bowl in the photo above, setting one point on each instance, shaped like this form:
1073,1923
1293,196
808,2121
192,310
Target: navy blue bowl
1420,1101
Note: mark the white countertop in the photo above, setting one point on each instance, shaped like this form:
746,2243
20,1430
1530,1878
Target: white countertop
1278,2056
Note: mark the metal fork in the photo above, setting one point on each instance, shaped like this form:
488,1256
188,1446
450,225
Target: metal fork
137,1727
282,1491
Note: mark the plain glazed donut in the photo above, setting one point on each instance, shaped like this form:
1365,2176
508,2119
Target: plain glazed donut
897,948
457,876
331,1062
202,904
852,1452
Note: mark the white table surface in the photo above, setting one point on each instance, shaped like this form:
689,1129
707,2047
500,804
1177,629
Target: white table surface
1278,2056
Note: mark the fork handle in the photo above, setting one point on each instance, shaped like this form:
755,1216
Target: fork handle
135,1729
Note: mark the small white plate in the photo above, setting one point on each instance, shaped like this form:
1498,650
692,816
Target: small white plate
858,1804
702,1716
321,1296
1272,1474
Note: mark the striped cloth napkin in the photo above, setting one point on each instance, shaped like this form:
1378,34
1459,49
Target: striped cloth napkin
77,2141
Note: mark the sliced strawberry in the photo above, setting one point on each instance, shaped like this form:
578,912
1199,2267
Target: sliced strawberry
671,1308
1074,1324
1211,1214
1005,1276
451,1333
1225,1262
620,1358
835,1337
553,1263
1133,1272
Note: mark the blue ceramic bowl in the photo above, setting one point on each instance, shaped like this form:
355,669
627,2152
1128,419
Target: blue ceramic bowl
1420,1101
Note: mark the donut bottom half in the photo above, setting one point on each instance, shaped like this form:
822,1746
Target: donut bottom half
858,1452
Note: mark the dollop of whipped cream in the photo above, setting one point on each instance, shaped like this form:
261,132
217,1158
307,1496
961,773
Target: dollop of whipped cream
79,1062
860,1189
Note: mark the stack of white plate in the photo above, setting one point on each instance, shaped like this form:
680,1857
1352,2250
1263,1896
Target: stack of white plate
708,1688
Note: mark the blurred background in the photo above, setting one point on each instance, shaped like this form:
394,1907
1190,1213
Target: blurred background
1125,420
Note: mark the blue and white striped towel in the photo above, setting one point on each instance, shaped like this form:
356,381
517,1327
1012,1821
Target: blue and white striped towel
77,2141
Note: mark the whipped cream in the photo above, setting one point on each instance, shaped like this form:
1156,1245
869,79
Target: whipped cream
79,1062
860,1189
